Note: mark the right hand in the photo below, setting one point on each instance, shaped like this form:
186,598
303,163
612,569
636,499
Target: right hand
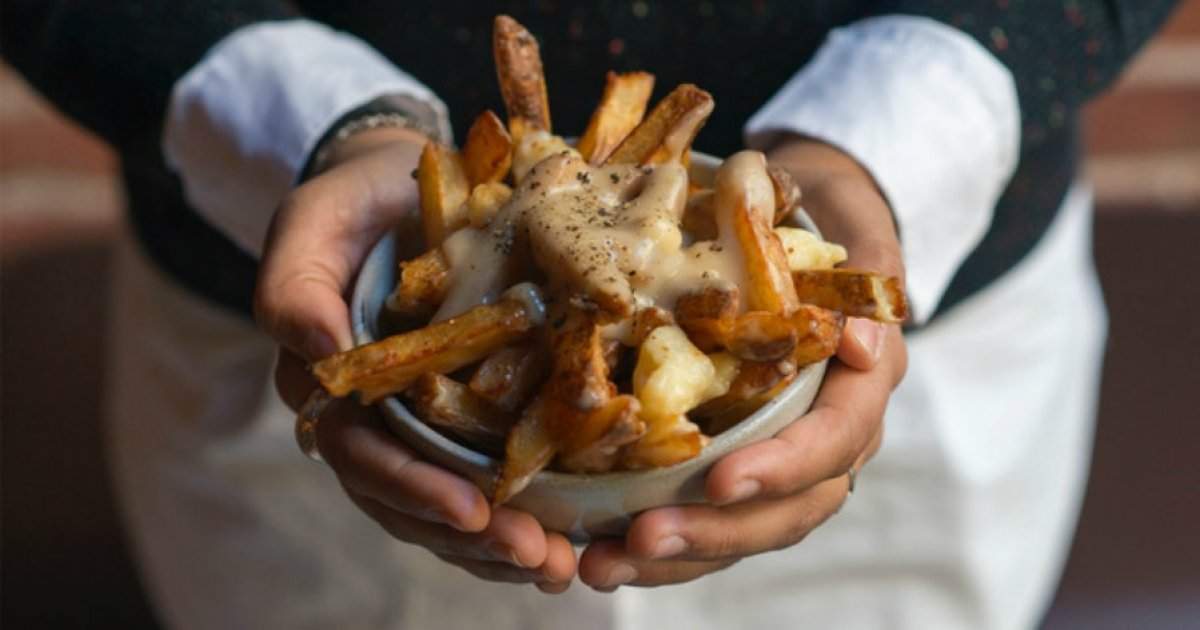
319,238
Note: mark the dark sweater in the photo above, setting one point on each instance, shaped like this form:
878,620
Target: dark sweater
111,64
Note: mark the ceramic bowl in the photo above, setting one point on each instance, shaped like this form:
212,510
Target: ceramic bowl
580,506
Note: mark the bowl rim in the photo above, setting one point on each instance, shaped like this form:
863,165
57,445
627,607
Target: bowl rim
478,465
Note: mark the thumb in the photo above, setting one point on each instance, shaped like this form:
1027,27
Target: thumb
318,240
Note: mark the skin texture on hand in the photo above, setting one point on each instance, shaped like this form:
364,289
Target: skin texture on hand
320,236
770,495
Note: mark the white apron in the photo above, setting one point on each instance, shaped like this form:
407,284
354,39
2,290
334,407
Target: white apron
962,520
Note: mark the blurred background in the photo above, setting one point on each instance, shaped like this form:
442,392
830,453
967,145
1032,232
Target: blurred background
1135,562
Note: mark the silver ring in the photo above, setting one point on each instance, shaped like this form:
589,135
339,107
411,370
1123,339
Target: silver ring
306,423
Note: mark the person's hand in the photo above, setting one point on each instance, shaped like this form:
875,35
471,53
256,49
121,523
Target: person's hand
770,495
320,236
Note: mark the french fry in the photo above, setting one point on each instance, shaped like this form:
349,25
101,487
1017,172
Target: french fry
485,201
522,81
666,134
487,153
422,286
699,215
579,377
819,331
393,364
787,192
855,292
646,320
452,407
750,389
709,316
621,425
621,108
528,449
442,182
664,444
745,206
806,250
509,377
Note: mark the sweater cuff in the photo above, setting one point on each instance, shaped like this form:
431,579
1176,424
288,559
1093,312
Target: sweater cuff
242,123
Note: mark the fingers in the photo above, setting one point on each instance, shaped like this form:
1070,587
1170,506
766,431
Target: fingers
861,343
293,380
605,565
825,443
701,532
318,238
372,463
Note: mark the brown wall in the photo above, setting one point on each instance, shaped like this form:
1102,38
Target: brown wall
1136,559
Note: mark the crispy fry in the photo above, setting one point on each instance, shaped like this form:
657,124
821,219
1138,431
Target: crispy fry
699,215
579,378
664,444
806,250
855,292
646,320
522,82
787,192
620,110
443,186
750,389
450,406
487,153
509,377
619,423
527,451
745,204
710,318
818,332
391,365
422,286
485,201
666,134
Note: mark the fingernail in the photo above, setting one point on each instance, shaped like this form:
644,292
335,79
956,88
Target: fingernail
318,345
621,573
672,545
504,553
869,335
743,490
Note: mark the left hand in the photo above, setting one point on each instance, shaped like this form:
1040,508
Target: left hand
770,495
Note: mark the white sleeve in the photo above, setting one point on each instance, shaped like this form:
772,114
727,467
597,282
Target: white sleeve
930,113
243,121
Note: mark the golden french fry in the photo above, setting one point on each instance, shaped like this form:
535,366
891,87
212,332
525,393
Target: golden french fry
666,134
528,449
391,365
422,286
854,292
487,153
617,423
621,108
579,377
787,192
818,330
443,186
522,81
450,406
509,377
646,320
485,201
664,444
753,386
806,250
745,206
709,316
699,215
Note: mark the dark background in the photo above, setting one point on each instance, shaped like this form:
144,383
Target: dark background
1135,561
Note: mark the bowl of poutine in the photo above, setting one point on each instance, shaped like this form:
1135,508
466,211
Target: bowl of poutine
594,323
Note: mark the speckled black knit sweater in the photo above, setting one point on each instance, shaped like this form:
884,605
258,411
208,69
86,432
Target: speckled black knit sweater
110,64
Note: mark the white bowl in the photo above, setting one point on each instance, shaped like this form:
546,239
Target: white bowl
580,506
